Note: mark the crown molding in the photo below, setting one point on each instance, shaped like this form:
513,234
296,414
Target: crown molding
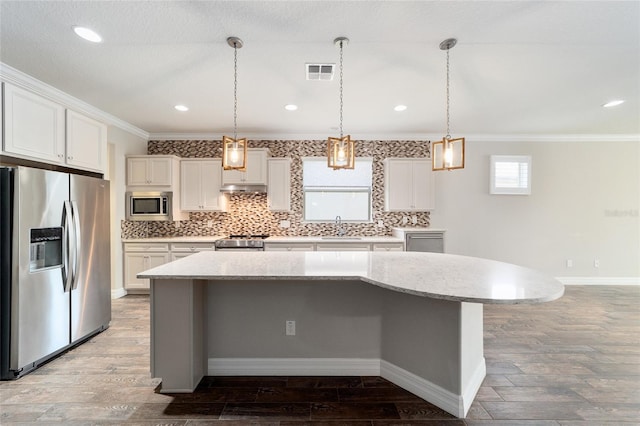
622,137
13,76
514,138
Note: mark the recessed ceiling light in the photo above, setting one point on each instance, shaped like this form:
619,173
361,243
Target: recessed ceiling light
181,108
613,103
291,107
87,34
399,108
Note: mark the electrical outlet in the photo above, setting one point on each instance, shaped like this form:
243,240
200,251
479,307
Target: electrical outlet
285,224
405,220
596,263
569,263
290,328
177,224
381,224
414,219
209,224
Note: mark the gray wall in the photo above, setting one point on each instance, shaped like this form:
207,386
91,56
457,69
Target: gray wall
584,206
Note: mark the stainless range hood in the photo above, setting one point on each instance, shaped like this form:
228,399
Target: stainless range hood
230,188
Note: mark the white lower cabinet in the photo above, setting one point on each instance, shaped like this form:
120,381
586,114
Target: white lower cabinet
387,247
180,250
139,257
343,247
289,247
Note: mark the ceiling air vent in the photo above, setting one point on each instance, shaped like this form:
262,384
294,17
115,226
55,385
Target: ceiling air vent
320,71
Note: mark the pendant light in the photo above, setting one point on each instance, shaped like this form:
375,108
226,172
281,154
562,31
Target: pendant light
341,151
234,150
448,154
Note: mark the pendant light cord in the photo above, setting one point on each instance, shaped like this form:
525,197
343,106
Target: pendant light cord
341,100
448,136
235,91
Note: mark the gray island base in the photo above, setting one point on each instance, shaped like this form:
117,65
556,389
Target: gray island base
413,318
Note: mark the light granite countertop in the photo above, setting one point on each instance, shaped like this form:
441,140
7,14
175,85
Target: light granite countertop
434,275
207,239
416,229
334,239
283,239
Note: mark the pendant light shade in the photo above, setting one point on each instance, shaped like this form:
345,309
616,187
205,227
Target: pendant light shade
447,154
341,153
341,150
234,150
234,153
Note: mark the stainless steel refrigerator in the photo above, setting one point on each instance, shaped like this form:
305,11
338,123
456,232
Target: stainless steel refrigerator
54,264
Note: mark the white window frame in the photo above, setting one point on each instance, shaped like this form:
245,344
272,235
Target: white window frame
337,189
523,184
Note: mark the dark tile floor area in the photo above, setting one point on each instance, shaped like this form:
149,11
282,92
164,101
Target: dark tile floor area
575,361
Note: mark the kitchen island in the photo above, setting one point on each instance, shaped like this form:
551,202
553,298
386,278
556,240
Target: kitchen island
412,318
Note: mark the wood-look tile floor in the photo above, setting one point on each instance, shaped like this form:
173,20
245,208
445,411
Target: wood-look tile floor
575,361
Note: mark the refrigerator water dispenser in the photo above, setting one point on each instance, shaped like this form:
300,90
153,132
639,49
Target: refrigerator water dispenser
45,249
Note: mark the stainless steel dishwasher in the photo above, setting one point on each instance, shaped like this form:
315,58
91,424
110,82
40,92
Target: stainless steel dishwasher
427,241
421,239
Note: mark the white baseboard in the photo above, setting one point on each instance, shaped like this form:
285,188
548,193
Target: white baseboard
118,293
293,367
458,405
471,390
438,396
599,280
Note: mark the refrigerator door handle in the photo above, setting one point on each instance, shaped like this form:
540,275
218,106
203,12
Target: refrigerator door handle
67,274
77,249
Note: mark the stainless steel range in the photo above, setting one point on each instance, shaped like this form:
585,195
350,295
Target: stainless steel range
242,242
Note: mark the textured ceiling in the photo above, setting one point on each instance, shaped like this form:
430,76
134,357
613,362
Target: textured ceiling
519,67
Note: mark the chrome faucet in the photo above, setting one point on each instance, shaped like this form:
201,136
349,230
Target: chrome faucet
340,231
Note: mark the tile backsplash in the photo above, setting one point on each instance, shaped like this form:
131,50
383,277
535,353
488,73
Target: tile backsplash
248,213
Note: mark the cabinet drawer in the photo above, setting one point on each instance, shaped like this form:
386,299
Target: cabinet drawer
146,247
388,247
192,247
289,247
343,247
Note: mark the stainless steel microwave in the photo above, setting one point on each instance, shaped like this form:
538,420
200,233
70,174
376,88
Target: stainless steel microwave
149,206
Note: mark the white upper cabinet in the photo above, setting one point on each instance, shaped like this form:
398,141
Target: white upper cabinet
36,129
408,185
200,182
150,170
86,142
279,184
256,173
33,126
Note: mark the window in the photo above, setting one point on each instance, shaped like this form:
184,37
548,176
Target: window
329,193
510,174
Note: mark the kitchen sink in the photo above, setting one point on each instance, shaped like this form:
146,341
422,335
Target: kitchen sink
342,238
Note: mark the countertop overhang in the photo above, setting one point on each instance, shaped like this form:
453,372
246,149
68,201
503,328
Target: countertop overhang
433,275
